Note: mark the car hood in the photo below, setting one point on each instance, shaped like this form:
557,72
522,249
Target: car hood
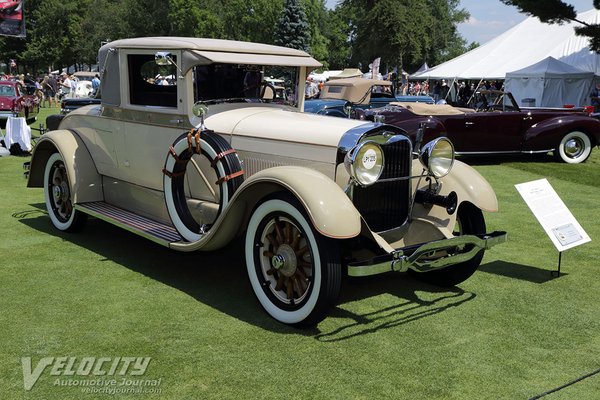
312,106
282,125
6,103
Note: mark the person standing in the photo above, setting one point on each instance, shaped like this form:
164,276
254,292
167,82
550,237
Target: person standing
65,85
48,91
95,85
54,88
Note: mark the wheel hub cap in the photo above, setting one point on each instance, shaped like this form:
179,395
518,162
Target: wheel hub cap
57,192
285,260
573,148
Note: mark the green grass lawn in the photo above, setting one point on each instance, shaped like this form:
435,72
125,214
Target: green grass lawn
509,332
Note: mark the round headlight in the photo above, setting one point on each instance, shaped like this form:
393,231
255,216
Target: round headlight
365,163
438,157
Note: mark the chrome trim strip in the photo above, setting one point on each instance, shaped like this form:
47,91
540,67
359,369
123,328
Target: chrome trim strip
483,153
419,260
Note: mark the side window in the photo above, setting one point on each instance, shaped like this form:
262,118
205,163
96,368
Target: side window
151,84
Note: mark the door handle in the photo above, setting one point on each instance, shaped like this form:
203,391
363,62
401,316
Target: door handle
469,123
176,121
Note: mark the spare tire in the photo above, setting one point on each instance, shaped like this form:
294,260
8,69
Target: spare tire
223,160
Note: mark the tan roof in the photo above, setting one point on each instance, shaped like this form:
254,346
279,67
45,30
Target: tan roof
222,51
355,90
348,73
432,109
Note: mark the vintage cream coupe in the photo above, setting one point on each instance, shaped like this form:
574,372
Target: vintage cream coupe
199,159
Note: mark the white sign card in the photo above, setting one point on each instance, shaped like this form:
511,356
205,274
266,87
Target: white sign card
560,225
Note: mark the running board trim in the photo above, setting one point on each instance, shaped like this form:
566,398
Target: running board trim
158,232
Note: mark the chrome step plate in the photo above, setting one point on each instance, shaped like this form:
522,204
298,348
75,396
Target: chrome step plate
156,231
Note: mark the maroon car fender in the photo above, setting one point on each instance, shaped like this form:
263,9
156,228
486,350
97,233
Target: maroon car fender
547,134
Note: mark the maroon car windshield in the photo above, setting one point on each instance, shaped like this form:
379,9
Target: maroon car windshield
7,90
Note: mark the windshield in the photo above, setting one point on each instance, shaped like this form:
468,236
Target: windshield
7,91
245,83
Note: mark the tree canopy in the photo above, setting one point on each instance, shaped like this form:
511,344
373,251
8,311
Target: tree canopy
557,12
404,33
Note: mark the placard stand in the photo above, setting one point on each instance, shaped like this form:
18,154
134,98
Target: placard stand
556,273
553,215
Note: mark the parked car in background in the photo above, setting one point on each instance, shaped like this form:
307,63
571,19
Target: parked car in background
18,101
339,97
499,126
193,164
83,89
278,87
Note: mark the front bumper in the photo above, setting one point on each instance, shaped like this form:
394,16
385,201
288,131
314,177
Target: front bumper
429,256
6,114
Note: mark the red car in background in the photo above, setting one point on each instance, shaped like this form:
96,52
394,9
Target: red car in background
18,101
498,126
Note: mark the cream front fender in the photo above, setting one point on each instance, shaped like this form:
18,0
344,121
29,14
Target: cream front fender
328,207
470,186
86,183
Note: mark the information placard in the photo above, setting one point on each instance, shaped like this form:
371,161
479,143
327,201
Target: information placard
560,225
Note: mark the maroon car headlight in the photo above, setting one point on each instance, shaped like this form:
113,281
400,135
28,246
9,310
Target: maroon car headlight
438,157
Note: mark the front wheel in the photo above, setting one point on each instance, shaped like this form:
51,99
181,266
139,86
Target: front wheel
58,197
574,148
294,271
469,221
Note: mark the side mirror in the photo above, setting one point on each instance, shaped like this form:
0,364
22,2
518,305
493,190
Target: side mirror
163,58
419,137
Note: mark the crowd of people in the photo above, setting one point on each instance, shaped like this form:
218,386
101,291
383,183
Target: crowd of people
457,92
51,88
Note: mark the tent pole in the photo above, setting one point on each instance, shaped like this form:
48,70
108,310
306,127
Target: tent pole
474,91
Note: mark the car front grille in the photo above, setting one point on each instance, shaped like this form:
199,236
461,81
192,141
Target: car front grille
385,205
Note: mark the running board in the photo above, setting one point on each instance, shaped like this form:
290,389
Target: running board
156,231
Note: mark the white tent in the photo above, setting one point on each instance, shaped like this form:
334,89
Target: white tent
550,83
524,44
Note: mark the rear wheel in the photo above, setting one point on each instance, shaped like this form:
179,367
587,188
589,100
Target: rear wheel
294,271
58,197
574,148
469,221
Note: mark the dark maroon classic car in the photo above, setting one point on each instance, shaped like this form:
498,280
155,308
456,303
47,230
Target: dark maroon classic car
498,126
18,101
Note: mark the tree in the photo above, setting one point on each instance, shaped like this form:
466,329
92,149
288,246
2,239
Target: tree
558,12
56,31
339,30
404,33
292,30
316,15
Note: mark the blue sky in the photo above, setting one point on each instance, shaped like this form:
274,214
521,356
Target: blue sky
490,18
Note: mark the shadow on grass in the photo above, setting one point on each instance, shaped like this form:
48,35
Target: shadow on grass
219,280
520,271
417,301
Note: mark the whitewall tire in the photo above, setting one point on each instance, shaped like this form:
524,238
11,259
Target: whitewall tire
294,271
574,148
58,196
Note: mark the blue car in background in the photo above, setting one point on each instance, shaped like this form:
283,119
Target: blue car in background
339,97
